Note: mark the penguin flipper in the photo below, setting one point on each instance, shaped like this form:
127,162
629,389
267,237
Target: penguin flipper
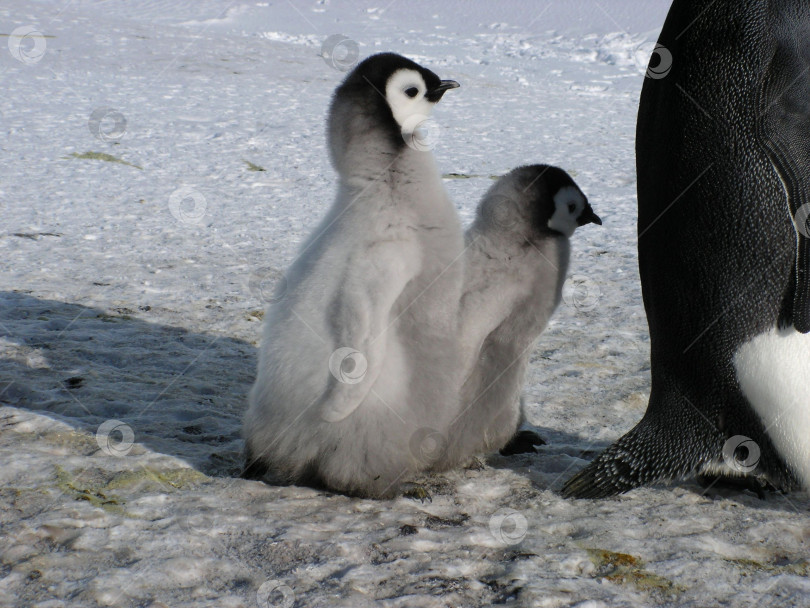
801,301
785,127
361,315
786,312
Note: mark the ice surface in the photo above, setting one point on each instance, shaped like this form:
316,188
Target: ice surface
133,293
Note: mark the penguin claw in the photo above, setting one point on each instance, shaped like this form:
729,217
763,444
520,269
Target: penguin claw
610,474
758,486
253,468
476,464
522,442
585,485
419,493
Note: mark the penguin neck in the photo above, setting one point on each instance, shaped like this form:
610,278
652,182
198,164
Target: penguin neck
498,244
505,245
375,157
367,146
371,163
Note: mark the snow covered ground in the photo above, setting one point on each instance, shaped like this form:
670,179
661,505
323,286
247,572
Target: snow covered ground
131,295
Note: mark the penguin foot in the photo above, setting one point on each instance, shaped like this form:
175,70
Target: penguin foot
615,471
522,442
476,464
757,485
586,485
418,493
254,468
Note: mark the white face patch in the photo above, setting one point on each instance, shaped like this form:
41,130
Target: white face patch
568,205
405,94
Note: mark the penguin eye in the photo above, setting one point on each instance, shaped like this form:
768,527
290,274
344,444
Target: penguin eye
571,208
412,92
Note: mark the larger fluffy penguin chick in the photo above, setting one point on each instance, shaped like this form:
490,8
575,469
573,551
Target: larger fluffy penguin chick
359,359
515,266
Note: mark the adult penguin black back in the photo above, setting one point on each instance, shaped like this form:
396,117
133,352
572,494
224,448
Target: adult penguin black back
723,161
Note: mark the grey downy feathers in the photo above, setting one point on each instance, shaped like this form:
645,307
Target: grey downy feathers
359,362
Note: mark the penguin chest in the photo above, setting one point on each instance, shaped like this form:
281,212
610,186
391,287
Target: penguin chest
773,371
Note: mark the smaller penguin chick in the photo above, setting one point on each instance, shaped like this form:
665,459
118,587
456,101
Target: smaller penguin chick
516,262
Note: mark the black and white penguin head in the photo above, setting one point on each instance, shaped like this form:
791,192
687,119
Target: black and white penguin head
413,93
537,201
571,208
385,95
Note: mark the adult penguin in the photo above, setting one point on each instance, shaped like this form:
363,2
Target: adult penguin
723,161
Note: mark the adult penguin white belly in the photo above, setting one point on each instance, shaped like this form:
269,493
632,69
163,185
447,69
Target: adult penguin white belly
723,159
774,374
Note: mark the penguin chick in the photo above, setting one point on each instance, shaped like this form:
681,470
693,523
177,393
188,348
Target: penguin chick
359,358
515,266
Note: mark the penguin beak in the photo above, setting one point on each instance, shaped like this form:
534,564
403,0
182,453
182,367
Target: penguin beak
436,93
589,217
